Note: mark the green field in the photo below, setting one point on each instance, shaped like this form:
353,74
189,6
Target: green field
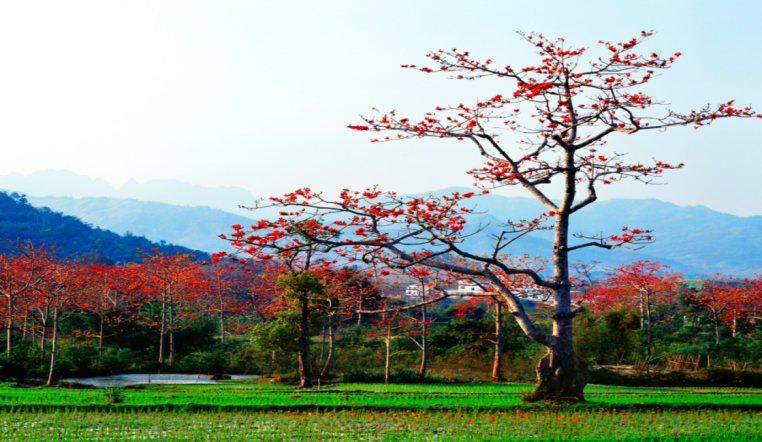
373,412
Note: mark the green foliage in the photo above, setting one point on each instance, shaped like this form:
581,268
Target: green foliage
24,355
114,395
717,377
606,339
398,376
220,358
300,285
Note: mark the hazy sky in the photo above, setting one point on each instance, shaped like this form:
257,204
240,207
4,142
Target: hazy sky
258,94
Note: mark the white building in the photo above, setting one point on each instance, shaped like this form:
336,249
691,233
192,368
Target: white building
465,286
416,291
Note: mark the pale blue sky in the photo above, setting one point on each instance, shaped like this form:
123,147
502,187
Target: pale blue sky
258,94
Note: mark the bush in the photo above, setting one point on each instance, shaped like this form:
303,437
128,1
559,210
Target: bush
716,377
398,376
605,339
361,376
114,360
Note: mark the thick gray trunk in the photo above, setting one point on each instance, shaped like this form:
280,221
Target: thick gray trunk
561,374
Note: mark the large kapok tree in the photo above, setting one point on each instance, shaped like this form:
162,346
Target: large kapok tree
553,127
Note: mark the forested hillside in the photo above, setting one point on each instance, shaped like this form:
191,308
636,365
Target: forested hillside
19,220
189,226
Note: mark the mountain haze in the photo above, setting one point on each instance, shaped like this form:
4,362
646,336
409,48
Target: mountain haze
64,183
695,240
21,221
195,227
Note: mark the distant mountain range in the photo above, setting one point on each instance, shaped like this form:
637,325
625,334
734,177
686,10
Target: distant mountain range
21,221
195,227
64,183
694,240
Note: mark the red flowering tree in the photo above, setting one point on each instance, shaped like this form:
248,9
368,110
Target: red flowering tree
641,284
22,270
61,291
389,327
554,127
221,286
113,295
170,281
724,300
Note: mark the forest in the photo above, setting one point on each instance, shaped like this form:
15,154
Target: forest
64,317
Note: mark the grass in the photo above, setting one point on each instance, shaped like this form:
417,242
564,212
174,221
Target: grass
377,412
641,426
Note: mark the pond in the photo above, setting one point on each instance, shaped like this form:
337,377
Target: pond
120,380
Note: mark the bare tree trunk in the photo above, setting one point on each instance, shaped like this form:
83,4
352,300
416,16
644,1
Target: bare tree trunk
100,337
44,334
9,324
648,324
222,327
54,351
171,333
424,343
322,344
23,328
735,324
162,332
305,371
388,363
716,329
331,347
359,315
497,376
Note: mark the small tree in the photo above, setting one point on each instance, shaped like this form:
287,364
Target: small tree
643,284
112,294
61,290
723,300
169,281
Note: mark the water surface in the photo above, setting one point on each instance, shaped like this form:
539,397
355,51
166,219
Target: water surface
120,380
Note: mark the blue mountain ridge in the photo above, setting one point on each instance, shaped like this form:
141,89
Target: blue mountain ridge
694,240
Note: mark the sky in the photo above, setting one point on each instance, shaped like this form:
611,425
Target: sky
259,94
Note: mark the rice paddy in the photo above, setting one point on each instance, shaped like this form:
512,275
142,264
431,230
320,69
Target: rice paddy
377,412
